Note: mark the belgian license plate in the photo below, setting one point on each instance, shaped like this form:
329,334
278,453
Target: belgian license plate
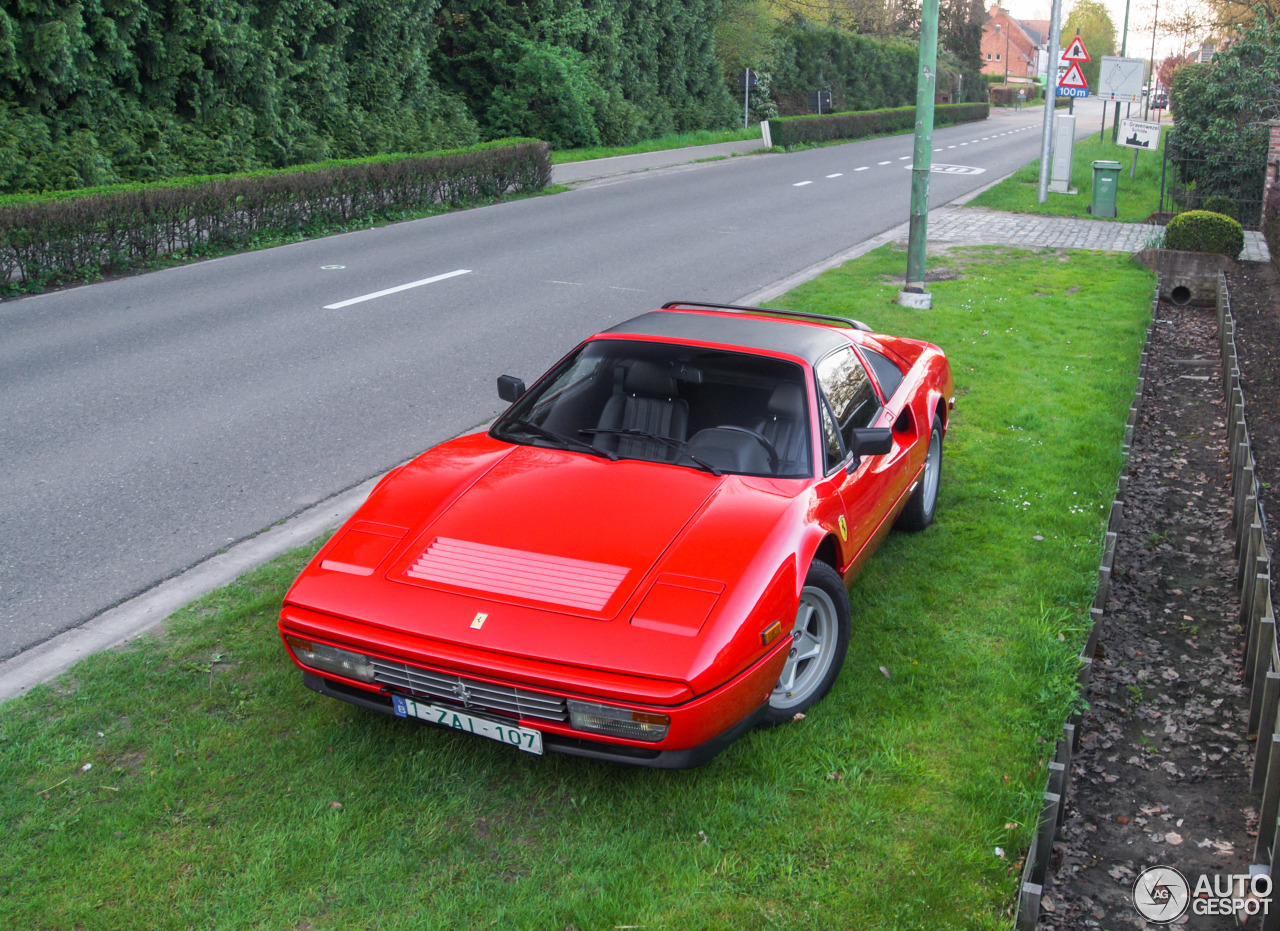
526,739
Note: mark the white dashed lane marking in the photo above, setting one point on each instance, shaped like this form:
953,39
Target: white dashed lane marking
397,289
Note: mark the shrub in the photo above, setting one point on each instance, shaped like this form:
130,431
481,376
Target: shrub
1006,95
1204,231
1220,203
829,127
77,235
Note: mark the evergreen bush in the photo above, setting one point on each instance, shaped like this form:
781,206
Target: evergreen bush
1219,203
1204,231
95,93
585,72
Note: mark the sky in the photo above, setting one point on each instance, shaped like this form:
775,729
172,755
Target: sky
1140,17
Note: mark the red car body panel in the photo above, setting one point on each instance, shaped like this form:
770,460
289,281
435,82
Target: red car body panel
648,585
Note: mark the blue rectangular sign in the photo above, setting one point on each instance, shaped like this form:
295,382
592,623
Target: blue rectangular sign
1073,92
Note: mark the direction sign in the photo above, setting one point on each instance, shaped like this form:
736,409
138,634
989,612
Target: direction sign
1076,51
1121,78
1139,134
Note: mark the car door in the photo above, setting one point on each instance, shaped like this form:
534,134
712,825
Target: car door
869,486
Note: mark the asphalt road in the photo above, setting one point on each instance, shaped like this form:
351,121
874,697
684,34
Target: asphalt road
147,422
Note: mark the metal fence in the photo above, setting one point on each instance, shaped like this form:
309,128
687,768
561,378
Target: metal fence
1192,182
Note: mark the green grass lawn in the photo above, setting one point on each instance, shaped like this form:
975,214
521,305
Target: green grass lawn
1136,198
189,780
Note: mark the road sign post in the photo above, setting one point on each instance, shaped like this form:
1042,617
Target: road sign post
748,80
1050,95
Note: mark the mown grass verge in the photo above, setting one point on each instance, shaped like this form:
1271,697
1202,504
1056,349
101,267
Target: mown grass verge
190,781
674,141
1137,198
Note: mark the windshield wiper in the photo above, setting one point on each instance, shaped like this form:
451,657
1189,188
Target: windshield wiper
677,445
531,427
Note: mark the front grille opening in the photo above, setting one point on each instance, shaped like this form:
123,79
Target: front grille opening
470,693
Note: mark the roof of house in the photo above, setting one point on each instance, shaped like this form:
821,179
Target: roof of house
1038,29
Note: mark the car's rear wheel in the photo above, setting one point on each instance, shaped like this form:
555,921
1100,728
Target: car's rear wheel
923,502
819,642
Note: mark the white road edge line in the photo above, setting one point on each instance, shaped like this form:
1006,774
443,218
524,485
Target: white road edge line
397,288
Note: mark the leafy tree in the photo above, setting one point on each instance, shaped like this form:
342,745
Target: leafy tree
1091,19
744,37
1169,67
960,25
1231,16
1220,111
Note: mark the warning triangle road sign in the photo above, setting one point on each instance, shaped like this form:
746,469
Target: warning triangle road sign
1074,77
1076,51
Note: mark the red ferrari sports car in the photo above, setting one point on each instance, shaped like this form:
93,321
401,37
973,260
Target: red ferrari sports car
647,554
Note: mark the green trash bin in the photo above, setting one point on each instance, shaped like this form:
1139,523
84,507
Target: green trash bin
1106,182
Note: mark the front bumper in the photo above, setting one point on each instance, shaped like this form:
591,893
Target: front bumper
562,743
534,694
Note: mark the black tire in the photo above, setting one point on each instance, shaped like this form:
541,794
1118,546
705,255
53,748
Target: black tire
923,502
819,642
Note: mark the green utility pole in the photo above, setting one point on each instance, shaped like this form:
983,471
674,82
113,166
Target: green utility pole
1124,44
914,294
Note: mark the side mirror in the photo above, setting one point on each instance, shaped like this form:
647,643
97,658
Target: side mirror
510,388
872,441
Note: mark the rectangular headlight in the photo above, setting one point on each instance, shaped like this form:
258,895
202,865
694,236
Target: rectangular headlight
331,659
618,722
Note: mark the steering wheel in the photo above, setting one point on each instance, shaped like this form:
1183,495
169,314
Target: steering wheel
759,438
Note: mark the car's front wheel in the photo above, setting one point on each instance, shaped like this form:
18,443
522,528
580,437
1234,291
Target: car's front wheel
819,642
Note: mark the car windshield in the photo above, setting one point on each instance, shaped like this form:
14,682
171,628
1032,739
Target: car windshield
709,409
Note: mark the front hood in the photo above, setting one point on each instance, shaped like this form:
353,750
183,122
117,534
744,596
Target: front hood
552,529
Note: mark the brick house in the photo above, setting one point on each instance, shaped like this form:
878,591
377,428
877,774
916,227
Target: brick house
1012,47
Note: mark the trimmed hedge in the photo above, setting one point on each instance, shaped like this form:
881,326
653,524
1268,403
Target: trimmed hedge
1204,231
80,234
830,127
1006,95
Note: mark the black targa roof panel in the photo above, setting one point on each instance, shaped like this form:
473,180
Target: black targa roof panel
805,340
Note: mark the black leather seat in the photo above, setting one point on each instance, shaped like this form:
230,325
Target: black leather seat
785,427
645,399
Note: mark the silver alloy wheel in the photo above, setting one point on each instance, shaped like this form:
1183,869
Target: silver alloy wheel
813,647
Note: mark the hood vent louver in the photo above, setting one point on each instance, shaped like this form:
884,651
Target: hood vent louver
497,570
